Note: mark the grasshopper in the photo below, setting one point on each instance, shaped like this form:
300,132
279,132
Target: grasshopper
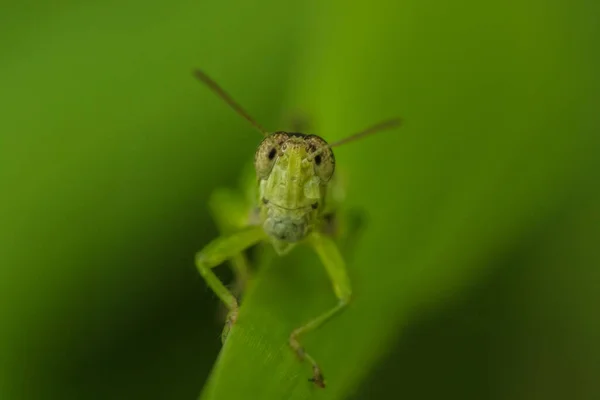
294,174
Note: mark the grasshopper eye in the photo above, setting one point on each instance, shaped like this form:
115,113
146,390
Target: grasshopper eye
265,156
324,165
323,161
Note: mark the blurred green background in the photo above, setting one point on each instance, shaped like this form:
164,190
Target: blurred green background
477,276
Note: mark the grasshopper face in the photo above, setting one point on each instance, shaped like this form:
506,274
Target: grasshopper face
293,170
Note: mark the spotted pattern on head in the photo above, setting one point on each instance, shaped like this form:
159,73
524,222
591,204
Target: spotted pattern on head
276,143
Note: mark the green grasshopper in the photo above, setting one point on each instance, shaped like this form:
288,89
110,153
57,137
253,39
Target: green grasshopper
294,174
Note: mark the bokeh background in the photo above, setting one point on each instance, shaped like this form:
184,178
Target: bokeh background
477,276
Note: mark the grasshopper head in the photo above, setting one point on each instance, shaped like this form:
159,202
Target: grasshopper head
293,170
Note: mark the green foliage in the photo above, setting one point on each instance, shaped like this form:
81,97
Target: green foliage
109,150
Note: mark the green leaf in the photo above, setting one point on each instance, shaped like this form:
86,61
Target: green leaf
487,153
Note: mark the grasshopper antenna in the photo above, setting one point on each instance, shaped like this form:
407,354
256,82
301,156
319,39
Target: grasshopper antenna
387,124
207,80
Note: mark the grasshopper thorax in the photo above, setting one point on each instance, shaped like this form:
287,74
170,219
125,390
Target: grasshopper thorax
293,170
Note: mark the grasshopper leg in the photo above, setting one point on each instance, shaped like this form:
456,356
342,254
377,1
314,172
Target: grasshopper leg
330,255
218,251
345,227
231,213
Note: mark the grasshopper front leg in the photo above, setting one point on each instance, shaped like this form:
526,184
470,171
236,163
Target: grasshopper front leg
330,255
218,251
231,214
